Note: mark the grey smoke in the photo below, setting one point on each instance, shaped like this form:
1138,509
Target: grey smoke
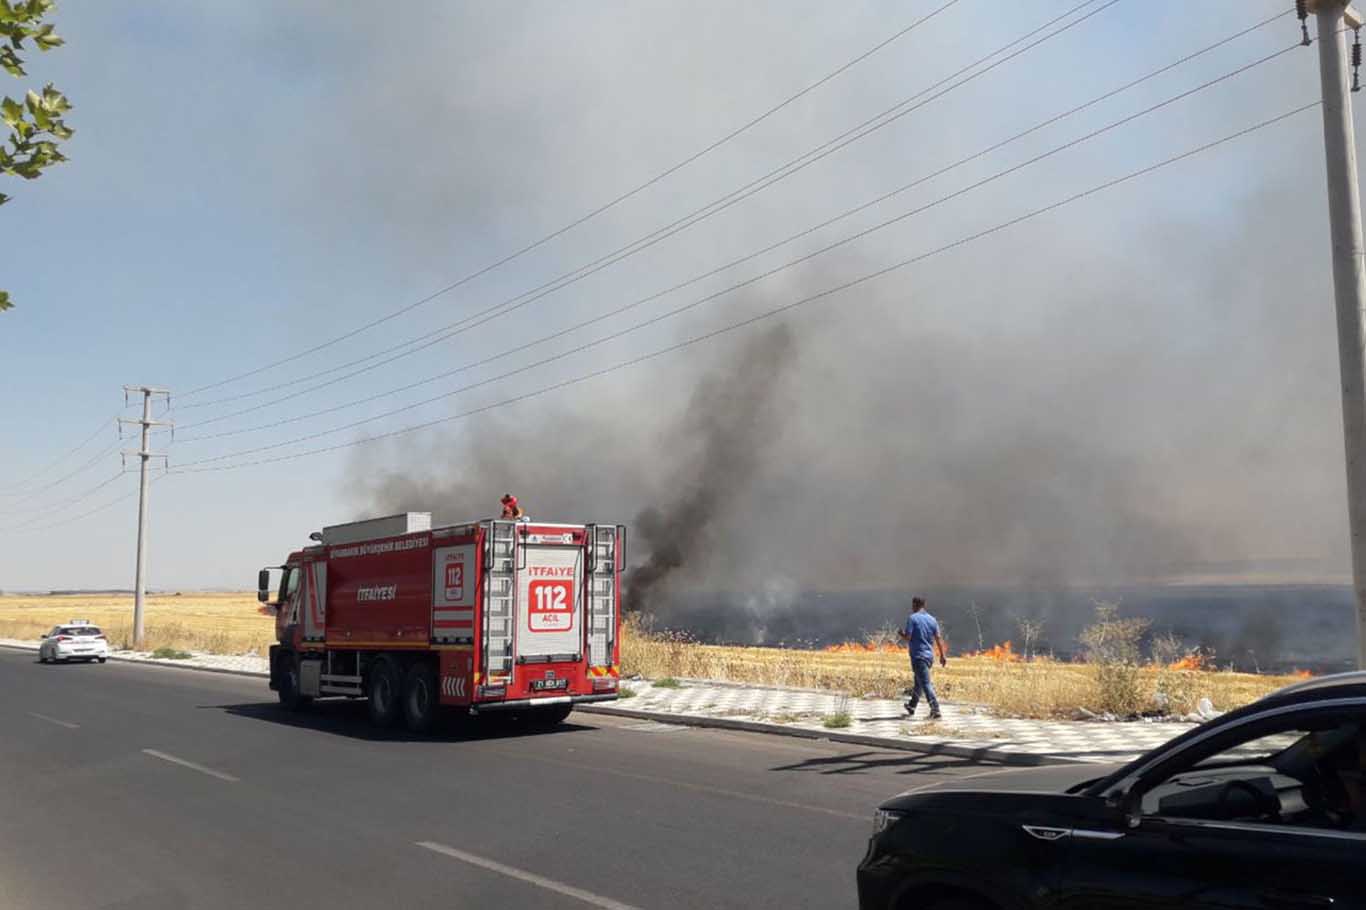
1138,417
931,437
731,423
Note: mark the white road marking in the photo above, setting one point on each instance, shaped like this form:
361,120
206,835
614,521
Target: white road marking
53,720
189,764
532,878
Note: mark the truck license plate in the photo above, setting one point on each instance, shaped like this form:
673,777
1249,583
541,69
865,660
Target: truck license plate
541,685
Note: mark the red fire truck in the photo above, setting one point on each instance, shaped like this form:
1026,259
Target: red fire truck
518,616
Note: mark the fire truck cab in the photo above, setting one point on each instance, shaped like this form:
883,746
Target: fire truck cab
514,616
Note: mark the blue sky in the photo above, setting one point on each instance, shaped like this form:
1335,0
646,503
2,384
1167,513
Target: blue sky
248,180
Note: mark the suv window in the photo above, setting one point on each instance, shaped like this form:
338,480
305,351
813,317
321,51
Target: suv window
1304,770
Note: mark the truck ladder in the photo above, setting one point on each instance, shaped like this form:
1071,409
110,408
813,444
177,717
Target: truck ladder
500,593
602,579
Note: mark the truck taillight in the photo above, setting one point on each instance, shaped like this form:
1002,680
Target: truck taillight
604,684
497,691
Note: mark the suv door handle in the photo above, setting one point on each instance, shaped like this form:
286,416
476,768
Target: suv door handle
1297,900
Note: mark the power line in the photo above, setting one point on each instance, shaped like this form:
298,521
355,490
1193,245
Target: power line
595,212
104,425
85,466
62,503
208,464
75,518
764,275
774,176
28,525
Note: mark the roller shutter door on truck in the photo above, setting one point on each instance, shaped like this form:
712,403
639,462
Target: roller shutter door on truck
549,603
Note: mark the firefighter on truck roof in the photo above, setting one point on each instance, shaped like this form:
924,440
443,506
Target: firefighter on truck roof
511,510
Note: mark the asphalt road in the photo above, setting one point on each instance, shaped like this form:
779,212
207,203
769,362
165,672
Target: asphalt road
124,786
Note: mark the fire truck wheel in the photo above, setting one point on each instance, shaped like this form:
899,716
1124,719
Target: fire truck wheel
420,699
289,684
383,693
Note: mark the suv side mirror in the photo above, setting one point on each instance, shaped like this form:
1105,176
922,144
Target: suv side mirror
1128,804
263,585
1131,808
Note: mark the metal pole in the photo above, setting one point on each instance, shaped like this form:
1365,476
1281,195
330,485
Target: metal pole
144,455
139,582
1349,281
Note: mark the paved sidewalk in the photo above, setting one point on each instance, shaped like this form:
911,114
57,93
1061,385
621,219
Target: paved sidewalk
965,731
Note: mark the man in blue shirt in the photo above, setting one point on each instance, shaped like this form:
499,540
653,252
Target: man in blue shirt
921,634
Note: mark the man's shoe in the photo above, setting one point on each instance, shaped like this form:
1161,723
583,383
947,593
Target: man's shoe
910,709
935,715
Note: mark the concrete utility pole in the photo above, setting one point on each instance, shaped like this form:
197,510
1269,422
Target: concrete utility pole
146,455
1349,274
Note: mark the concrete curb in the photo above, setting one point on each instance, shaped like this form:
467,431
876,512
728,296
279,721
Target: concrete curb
923,746
173,664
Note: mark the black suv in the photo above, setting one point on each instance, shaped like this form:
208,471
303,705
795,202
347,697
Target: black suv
1264,807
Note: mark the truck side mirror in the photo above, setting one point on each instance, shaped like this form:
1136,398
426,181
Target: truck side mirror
263,585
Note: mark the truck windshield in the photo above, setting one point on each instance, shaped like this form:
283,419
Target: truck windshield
289,583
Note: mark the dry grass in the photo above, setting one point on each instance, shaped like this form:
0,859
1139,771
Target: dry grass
216,623
1009,687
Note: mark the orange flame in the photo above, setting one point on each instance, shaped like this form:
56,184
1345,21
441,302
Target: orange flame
1003,653
265,610
1192,661
863,647
1302,674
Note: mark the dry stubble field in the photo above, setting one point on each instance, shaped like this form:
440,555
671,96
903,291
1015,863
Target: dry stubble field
232,624
215,623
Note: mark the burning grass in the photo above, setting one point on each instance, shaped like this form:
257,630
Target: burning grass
997,678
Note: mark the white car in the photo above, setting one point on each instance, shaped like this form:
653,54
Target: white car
74,641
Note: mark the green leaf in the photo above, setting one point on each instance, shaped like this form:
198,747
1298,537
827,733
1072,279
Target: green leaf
5,303
11,112
11,62
3,199
54,100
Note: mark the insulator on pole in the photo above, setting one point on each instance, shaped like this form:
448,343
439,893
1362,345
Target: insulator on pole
1302,10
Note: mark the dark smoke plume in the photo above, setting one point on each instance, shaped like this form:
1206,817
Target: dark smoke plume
733,422
1119,426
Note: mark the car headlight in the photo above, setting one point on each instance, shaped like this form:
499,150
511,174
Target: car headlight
882,820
